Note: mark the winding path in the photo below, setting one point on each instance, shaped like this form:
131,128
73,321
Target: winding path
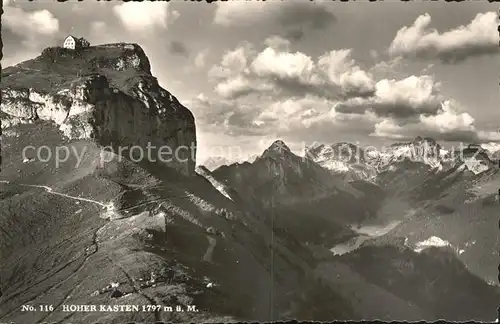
50,190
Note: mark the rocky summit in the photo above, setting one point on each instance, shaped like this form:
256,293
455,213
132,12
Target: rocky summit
105,93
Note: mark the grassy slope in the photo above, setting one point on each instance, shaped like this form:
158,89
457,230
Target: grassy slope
434,280
78,252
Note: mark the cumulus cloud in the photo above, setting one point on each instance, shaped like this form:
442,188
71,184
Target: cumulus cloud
389,129
224,116
143,17
390,67
479,37
297,111
266,118
21,22
296,95
27,33
485,136
342,71
278,43
311,118
299,118
448,120
240,86
232,63
293,16
272,63
276,68
404,98
448,124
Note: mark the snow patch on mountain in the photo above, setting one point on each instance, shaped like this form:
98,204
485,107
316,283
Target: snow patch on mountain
214,162
491,147
343,158
444,153
366,163
424,150
475,165
338,166
431,241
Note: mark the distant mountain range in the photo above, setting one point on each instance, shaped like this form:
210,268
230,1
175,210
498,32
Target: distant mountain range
215,162
431,193
355,162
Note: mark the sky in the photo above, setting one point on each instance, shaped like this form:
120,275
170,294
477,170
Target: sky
303,72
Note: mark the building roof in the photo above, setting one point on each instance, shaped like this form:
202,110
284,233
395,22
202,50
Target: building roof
75,38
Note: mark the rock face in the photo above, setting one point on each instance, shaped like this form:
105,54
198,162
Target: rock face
105,93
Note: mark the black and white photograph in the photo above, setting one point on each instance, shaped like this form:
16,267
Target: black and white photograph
235,161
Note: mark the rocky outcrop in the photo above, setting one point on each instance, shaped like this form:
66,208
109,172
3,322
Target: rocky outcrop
103,93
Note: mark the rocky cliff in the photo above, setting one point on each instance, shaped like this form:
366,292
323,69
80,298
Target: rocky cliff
104,93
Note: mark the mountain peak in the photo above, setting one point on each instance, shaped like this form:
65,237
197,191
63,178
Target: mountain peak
278,147
104,93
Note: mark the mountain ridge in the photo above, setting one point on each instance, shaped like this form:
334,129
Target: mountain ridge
358,163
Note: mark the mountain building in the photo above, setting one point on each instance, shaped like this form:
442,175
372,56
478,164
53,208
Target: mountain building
72,42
